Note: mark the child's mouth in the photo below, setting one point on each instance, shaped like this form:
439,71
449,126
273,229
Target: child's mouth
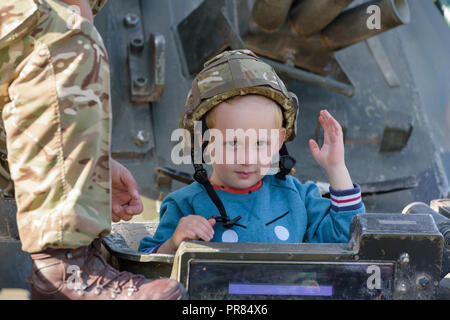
244,175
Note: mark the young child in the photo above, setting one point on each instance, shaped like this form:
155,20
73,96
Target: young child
236,91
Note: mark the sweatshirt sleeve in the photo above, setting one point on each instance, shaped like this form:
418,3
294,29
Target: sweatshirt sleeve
329,219
170,215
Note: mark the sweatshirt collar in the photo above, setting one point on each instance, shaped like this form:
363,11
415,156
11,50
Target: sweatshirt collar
248,190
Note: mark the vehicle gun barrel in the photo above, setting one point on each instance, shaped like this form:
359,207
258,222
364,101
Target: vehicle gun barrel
270,15
311,16
355,25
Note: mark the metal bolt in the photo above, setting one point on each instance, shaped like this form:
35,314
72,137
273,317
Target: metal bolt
142,137
131,20
289,59
136,45
404,258
402,288
422,281
140,84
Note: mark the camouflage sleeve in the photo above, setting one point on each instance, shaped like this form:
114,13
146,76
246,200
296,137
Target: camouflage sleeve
97,5
56,112
17,18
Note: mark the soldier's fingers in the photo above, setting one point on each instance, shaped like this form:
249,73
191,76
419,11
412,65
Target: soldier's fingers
115,218
126,217
122,215
129,181
135,206
116,208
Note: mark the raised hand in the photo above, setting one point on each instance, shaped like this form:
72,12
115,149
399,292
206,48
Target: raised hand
331,155
332,152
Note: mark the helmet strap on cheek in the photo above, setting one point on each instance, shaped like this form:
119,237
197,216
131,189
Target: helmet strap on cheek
205,143
201,176
286,163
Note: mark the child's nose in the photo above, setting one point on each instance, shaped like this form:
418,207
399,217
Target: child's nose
251,156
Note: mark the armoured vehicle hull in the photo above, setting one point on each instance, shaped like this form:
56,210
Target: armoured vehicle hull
389,90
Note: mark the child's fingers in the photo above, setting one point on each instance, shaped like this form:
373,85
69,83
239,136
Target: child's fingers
334,128
212,221
206,228
205,224
191,234
201,230
199,225
203,234
333,122
325,122
314,148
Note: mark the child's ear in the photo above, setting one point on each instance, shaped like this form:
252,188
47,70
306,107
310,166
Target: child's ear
282,137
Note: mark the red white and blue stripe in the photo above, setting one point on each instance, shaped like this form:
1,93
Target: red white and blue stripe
346,200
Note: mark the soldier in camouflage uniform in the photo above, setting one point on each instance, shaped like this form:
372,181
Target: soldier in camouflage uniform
55,146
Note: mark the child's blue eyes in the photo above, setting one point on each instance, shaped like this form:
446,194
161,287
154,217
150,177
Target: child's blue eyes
261,143
235,143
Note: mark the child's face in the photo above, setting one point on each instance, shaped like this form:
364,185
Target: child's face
241,160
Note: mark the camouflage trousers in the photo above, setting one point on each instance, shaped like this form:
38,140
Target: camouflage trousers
56,112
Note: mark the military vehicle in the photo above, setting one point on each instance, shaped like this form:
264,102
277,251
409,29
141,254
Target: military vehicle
378,66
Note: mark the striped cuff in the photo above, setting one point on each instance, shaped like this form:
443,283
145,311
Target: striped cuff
346,200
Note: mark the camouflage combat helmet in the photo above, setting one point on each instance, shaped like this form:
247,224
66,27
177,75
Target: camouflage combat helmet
227,75
237,73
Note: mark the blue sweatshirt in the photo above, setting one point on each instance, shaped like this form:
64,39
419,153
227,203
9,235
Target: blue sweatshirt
272,211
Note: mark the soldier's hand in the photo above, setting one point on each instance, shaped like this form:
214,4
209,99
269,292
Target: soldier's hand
125,196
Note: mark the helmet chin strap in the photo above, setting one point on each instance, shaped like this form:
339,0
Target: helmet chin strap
286,163
201,176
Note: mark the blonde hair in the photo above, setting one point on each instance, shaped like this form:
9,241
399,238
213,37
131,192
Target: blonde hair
278,113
